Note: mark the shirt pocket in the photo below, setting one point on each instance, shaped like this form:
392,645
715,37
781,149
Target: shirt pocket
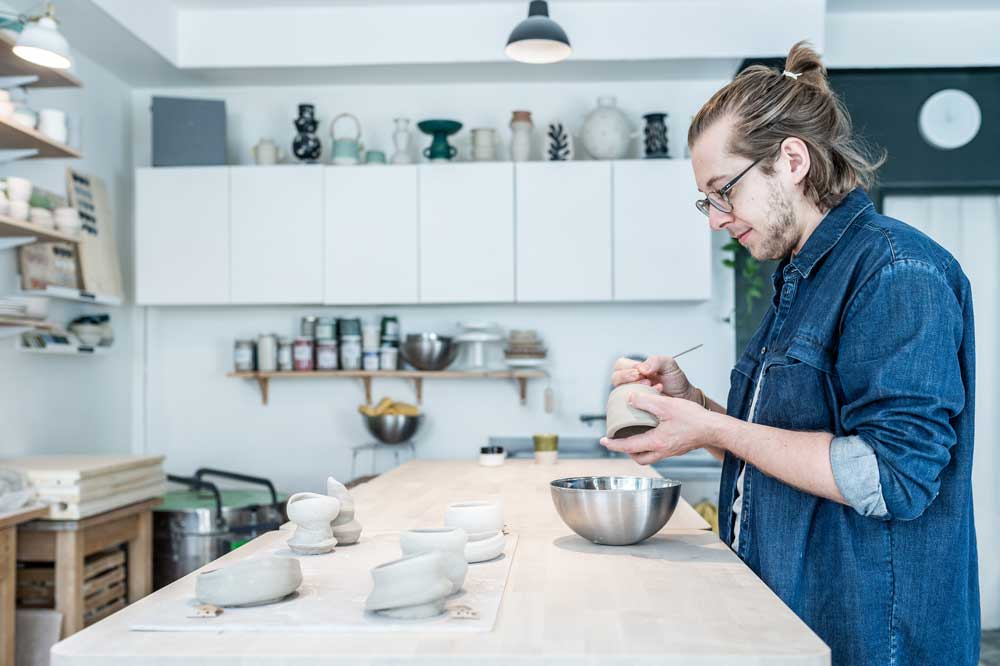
797,391
741,384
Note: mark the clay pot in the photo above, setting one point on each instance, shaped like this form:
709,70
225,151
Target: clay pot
412,587
485,549
255,581
346,530
624,420
312,514
450,541
479,519
348,533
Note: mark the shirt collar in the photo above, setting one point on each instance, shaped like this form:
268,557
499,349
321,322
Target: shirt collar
830,230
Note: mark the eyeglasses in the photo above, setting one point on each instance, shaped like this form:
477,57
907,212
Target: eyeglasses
719,199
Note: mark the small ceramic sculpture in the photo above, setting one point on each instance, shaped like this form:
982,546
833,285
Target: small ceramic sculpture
410,588
312,514
450,541
558,143
259,580
479,519
520,138
485,549
345,528
624,420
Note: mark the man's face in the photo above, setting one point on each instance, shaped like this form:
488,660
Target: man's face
762,219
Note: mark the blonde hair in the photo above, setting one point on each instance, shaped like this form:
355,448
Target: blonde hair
769,106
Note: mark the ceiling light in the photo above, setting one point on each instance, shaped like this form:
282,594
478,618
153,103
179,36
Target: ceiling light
538,39
41,42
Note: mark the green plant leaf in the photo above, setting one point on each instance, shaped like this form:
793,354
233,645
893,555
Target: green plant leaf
729,263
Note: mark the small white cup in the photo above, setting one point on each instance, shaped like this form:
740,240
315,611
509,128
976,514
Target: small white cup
18,189
18,210
43,218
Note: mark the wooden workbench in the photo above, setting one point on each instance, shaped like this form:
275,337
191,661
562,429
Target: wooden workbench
680,597
8,575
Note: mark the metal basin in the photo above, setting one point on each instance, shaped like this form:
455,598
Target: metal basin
392,428
428,351
615,510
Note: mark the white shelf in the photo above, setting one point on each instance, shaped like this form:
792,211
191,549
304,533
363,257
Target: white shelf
69,294
65,350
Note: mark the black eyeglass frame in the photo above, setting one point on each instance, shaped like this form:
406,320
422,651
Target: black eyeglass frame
723,193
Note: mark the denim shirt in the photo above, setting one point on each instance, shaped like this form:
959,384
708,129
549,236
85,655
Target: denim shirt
870,338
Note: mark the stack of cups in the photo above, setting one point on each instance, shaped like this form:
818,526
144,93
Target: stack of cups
18,192
369,346
389,351
484,144
350,343
68,221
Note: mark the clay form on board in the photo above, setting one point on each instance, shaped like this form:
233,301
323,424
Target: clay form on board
479,519
485,549
258,580
345,528
625,420
450,541
312,514
412,587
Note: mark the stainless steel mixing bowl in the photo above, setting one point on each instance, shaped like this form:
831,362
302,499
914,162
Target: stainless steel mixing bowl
428,351
615,510
393,428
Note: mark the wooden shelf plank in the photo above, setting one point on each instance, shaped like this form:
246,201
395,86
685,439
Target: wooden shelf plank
14,135
69,294
398,374
9,227
11,65
29,323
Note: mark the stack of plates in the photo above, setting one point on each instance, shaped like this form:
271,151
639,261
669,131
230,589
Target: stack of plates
31,307
525,350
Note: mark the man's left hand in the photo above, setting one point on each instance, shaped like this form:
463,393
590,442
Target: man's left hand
684,426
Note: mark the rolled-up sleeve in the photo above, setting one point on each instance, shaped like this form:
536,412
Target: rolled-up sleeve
899,369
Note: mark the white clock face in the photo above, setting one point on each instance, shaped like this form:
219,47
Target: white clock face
949,119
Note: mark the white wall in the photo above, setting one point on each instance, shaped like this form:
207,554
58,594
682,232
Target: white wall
50,404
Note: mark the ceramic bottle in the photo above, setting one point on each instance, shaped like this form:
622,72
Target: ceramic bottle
606,130
520,140
401,140
306,145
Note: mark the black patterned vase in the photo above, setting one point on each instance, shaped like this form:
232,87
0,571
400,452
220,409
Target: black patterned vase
656,136
306,145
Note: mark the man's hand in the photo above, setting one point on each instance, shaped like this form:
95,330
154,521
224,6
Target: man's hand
684,426
660,372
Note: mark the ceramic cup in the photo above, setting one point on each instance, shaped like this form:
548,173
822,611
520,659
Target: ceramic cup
258,580
18,210
52,123
448,540
624,420
18,189
312,513
67,220
485,549
375,157
412,587
42,217
479,519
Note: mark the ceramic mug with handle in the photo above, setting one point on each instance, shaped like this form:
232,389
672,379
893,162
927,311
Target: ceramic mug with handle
346,150
266,152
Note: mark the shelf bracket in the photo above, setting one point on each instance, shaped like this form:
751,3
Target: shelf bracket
522,383
418,384
13,154
263,383
368,389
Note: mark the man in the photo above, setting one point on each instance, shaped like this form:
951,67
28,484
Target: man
848,433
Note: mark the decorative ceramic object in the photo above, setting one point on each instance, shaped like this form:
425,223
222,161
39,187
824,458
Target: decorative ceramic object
558,143
655,136
258,580
312,514
625,420
345,528
401,140
346,149
266,153
484,144
546,448
306,145
440,149
412,587
485,549
520,138
374,157
450,541
479,519
606,131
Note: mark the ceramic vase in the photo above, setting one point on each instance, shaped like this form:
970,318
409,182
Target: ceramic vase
345,528
479,519
655,136
558,143
312,514
624,420
450,541
257,580
306,146
439,150
484,144
401,140
412,587
520,138
485,549
606,131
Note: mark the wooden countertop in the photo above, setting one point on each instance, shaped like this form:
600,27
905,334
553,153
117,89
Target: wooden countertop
681,597
23,515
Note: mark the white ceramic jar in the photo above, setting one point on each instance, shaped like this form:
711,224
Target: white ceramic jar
606,131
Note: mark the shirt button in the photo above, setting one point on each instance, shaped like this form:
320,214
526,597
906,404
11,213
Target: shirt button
762,350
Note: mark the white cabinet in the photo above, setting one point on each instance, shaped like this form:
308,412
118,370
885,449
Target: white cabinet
276,227
182,235
371,234
563,231
662,248
466,233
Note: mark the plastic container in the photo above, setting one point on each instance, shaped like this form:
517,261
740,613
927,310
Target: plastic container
389,358
369,359
350,352
302,354
326,354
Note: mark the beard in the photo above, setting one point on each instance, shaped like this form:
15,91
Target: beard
779,236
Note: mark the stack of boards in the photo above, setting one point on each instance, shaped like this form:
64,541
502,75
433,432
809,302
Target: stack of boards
80,486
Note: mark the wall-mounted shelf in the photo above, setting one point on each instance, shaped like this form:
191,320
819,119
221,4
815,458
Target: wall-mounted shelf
11,228
17,325
14,135
418,376
65,350
68,294
10,64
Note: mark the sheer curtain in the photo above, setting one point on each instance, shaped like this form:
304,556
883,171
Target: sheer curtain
969,227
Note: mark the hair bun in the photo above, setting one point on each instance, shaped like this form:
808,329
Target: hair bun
803,60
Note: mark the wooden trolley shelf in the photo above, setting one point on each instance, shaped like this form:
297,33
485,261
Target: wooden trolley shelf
418,376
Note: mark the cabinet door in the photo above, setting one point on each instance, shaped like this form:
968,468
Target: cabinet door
277,231
466,233
563,231
182,235
662,243
371,234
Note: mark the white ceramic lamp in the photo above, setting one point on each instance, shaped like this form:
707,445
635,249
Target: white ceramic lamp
41,43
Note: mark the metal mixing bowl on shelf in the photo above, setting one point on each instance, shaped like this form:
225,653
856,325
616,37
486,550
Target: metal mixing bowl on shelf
428,351
393,428
615,510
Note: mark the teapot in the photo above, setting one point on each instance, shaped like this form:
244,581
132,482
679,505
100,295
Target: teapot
346,150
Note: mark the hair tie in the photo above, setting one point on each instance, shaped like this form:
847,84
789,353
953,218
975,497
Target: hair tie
791,75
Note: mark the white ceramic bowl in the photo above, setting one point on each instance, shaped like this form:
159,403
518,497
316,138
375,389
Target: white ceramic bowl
18,210
411,587
448,540
348,533
485,549
478,518
258,580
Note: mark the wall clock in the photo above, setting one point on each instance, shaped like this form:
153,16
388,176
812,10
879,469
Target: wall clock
950,119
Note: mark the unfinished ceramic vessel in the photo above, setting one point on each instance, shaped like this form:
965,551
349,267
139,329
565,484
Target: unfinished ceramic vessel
485,549
412,587
345,528
259,580
624,420
312,514
479,519
450,541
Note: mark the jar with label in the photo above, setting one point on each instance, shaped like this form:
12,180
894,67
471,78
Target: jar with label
302,354
350,352
243,356
326,328
307,329
285,354
389,358
326,354
267,353
390,332
369,359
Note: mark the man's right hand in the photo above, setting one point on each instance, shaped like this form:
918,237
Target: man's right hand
660,372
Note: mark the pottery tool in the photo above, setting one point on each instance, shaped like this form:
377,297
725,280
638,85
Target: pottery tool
688,350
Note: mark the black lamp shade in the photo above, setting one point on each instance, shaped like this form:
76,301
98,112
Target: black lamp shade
538,39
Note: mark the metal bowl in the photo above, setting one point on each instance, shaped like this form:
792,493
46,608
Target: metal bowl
393,428
428,351
615,510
